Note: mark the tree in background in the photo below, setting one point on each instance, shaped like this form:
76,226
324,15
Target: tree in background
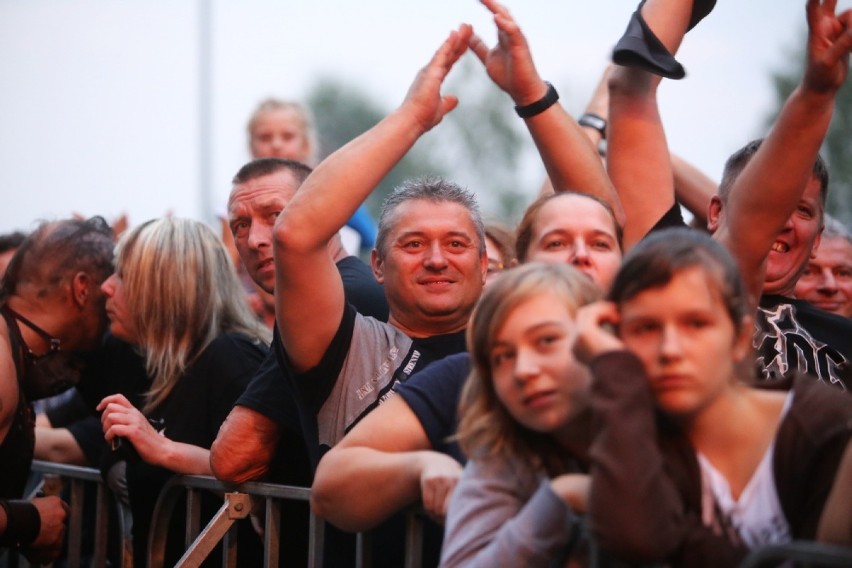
342,112
837,148
482,144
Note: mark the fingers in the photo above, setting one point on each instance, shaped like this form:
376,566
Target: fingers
118,399
478,47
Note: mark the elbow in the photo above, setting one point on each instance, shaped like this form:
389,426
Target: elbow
290,236
228,468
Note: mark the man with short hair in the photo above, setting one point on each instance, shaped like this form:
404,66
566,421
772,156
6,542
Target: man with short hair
430,257
827,280
251,435
51,306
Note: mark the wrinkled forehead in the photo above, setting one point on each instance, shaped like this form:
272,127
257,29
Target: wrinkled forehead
423,215
271,190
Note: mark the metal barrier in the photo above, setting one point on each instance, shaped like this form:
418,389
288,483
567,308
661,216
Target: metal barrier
237,504
53,476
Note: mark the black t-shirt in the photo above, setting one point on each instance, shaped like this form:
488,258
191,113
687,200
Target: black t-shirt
433,395
361,288
793,335
192,413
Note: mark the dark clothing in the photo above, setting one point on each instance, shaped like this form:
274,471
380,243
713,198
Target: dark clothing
645,501
361,288
16,450
192,414
74,415
792,335
433,395
18,445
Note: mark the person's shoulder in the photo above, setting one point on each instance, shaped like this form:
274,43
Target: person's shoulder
820,408
232,350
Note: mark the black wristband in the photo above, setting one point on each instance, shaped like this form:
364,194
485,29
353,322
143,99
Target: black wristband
540,105
591,120
22,523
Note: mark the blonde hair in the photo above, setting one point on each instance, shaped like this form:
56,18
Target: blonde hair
302,112
182,292
486,429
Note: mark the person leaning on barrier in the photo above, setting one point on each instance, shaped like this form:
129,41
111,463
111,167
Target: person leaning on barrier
429,255
52,307
176,299
375,470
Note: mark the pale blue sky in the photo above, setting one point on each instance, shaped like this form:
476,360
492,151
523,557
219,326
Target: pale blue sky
99,98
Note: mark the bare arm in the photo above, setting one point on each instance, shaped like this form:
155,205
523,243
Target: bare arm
770,186
121,419
693,188
8,387
572,162
244,446
376,470
638,159
308,289
58,445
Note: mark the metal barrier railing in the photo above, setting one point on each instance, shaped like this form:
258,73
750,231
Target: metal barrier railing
237,504
53,476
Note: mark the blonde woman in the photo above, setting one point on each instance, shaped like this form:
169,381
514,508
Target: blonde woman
175,298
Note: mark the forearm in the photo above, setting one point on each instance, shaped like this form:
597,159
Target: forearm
343,181
770,186
638,160
244,447
494,522
58,445
572,162
693,188
356,488
182,458
634,506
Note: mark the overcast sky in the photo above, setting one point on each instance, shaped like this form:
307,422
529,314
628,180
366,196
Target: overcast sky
99,99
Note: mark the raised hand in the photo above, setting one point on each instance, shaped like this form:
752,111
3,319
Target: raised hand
829,43
509,63
424,99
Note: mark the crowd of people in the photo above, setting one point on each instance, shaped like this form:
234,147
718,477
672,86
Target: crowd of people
602,376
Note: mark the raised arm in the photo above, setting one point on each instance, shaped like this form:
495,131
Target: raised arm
572,162
308,288
770,188
638,159
375,471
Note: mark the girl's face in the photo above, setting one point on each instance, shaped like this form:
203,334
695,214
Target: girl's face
535,374
578,231
279,134
120,321
686,340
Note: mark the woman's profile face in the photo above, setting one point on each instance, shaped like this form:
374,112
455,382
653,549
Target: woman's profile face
534,371
686,340
279,134
579,231
120,321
